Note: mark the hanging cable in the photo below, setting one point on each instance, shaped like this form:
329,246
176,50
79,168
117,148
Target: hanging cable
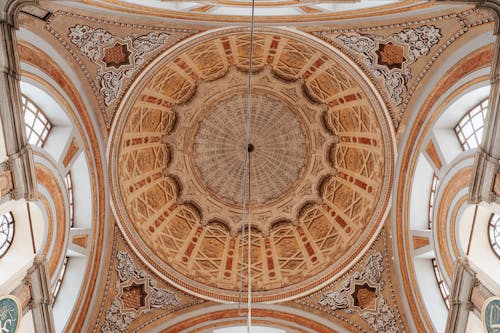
246,190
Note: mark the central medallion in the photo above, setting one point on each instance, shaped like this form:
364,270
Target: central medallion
278,148
209,150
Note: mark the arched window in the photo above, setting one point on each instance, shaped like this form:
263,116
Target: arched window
69,186
443,288
57,285
469,129
494,233
432,197
6,232
37,124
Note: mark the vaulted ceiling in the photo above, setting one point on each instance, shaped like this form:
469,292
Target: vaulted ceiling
161,96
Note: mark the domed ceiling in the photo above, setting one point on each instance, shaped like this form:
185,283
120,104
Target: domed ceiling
320,175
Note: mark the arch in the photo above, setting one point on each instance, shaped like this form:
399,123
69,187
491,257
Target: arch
416,166
72,145
207,318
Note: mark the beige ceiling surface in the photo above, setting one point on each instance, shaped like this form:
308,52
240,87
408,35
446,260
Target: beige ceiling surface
320,165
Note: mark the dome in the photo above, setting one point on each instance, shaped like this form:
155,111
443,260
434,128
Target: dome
320,169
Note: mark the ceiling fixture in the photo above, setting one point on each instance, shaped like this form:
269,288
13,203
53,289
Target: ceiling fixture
248,148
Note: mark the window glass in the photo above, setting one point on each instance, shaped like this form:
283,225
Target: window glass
57,286
37,124
6,232
69,187
432,196
443,288
469,129
494,234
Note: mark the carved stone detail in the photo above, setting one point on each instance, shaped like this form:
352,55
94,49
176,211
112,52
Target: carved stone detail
371,274
378,315
97,44
137,293
383,320
403,49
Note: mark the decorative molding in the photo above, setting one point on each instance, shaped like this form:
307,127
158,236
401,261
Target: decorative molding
420,242
6,183
483,185
38,279
71,152
102,48
132,297
464,279
371,274
466,21
433,154
365,292
13,127
361,293
136,293
401,50
494,6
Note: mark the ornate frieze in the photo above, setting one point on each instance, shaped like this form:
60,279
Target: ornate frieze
133,296
345,298
361,293
397,56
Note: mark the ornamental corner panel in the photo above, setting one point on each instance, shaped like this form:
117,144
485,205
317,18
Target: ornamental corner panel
397,56
111,54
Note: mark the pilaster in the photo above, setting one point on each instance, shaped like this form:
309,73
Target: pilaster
41,296
19,154
464,279
485,183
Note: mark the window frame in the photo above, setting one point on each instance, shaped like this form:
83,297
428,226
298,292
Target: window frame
496,244
38,115
4,248
68,182
467,118
444,290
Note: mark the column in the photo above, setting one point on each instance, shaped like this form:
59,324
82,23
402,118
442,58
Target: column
464,279
17,157
485,183
41,296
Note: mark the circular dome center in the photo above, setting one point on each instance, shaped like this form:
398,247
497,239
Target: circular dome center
277,145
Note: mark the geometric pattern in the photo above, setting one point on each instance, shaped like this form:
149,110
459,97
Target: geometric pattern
110,54
390,57
166,201
365,292
137,293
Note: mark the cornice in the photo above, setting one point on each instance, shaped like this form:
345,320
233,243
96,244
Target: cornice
493,5
9,10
